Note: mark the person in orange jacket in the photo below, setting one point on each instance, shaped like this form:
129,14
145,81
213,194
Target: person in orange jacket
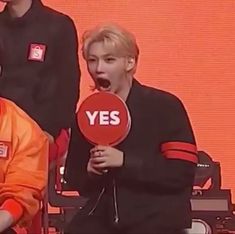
23,166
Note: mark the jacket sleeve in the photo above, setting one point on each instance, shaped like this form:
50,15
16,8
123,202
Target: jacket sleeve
169,165
26,176
77,159
68,73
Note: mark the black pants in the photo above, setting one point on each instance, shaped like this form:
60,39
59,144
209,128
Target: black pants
93,224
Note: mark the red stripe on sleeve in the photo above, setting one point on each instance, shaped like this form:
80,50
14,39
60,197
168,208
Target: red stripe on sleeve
14,208
174,154
177,145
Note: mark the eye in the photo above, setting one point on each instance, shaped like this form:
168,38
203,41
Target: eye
90,60
110,59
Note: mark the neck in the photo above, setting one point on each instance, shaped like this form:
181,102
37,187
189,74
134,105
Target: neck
124,91
18,8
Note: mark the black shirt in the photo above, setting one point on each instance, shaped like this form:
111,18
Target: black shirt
39,66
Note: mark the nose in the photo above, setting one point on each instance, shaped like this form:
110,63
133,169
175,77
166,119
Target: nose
99,66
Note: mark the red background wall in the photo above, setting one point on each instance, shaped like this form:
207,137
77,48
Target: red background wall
188,48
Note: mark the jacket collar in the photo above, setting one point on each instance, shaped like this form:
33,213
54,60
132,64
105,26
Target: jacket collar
28,17
135,95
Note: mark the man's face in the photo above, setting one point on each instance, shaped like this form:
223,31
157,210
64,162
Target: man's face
107,69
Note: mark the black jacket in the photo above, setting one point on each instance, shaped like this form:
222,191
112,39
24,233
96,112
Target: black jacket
46,88
160,158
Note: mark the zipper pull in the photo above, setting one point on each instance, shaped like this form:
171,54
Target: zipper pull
116,216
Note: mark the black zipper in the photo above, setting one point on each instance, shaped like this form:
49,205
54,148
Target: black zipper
116,215
97,202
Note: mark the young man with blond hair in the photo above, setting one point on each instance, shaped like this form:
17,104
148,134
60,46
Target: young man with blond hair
153,168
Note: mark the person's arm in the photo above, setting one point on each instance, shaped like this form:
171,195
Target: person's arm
26,176
6,220
68,72
10,213
58,87
172,164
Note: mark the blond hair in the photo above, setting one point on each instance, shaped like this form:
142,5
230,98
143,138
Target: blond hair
113,36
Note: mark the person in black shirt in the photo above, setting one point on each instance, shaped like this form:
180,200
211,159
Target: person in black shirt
40,70
147,188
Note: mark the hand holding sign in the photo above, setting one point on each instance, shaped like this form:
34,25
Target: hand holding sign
104,157
104,120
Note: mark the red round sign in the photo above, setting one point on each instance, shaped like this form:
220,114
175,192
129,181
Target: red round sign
104,119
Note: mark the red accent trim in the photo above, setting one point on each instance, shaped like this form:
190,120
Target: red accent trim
60,146
53,151
62,141
14,208
177,145
57,150
174,154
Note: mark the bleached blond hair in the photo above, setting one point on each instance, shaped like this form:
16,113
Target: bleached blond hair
115,37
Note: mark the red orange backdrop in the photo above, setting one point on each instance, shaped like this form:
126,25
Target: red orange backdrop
188,48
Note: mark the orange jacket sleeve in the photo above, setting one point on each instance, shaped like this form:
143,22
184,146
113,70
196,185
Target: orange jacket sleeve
26,172
13,207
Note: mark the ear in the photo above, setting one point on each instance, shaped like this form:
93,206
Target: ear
130,63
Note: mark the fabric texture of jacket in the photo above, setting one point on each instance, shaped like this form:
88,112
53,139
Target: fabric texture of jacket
39,68
157,176
23,159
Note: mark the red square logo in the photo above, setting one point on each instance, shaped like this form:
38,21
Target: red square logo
37,52
4,149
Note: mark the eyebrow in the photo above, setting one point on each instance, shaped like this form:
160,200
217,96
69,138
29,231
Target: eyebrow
104,55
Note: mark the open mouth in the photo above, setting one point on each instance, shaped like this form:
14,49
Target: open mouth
103,83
